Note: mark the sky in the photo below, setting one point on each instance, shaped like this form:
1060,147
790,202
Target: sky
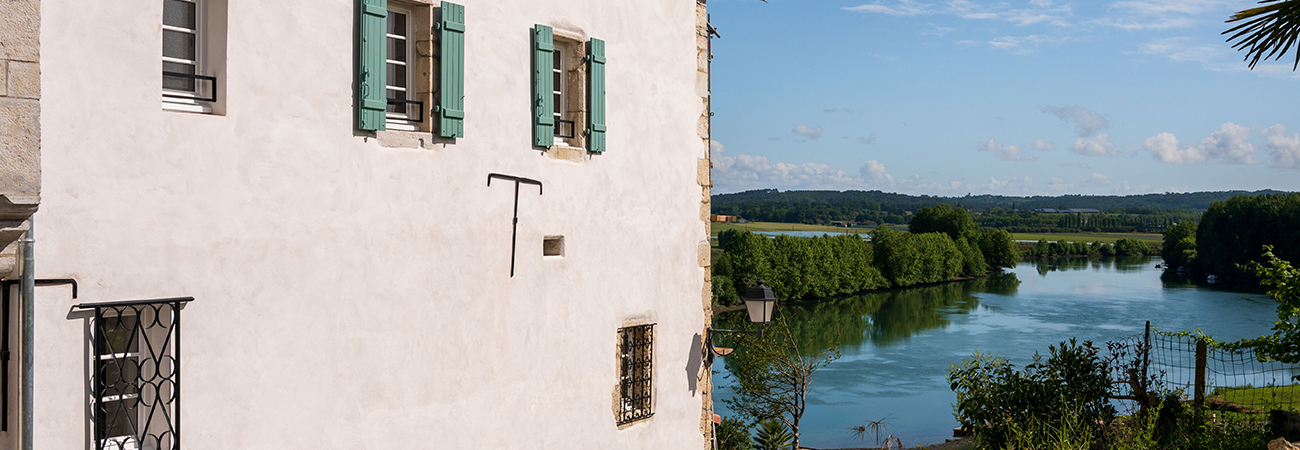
1020,97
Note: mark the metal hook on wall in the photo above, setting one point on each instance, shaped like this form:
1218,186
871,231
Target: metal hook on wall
514,233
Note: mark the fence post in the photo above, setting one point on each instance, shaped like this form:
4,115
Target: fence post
1200,373
1146,356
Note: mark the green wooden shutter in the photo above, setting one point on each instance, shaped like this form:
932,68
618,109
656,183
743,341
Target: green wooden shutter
451,94
543,110
596,95
372,97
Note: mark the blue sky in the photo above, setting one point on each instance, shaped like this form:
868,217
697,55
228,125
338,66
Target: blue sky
1023,97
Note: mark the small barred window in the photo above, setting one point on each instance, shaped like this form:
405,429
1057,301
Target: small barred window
636,364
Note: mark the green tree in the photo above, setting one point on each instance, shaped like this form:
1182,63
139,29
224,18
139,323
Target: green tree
955,222
1284,344
972,260
1267,31
771,375
732,434
1232,231
1173,249
999,248
773,435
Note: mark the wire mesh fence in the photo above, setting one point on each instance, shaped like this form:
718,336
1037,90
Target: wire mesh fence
1223,379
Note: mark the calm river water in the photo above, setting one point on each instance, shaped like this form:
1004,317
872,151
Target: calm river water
898,344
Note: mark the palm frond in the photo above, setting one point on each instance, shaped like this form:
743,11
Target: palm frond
1267,31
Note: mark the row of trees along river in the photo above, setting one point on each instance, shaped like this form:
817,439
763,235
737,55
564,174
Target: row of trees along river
882,314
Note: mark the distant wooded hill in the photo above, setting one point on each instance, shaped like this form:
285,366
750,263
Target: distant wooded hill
772,205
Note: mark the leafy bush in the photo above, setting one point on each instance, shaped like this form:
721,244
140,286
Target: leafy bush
773,435
994,400
1134,247
732,434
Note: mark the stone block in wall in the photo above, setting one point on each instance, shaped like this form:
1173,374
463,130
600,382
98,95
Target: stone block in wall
24,80
702,172
706,254
20,146
20,30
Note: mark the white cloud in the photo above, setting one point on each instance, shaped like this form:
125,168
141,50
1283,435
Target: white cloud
1021,45
1058,185
1087,121
1159,14
874,172
1041,12
1096,179
1164,147
1007,152
1040,144
1227,145
810,133
1098,146
749,172
715,149
836,110
870,139
936,30
1182,49
1285,150
903,8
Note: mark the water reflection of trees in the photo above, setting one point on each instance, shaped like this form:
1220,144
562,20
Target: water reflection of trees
1120,264
887,317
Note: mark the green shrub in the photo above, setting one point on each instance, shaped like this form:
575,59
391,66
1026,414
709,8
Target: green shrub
994,400
773,435
732,434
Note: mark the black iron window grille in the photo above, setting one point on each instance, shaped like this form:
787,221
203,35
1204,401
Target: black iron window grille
636,361
202,87
563,128
136,378
404,107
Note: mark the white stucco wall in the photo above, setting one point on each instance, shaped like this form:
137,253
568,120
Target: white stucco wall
355,296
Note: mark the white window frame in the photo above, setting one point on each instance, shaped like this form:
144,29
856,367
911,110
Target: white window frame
559,88
402,121
122,442
188,101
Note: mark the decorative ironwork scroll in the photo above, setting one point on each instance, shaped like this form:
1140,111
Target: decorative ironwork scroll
136,378
636,355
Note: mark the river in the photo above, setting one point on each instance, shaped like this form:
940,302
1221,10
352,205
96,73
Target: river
897,345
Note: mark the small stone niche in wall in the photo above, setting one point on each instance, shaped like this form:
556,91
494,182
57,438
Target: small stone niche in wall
553,246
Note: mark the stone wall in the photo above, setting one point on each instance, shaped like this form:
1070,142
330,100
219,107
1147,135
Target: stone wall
704,177
20,130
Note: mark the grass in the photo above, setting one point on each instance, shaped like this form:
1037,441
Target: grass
1108,238
1263,398
718,227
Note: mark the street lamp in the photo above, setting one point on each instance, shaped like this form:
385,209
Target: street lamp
759,303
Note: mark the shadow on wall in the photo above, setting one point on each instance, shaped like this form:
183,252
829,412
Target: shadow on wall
694,363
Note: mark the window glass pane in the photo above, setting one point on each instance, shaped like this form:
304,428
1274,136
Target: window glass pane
397,75
178,45
555,59
178,83
396,23
119,376
556,82
397,49
117,418
117,334
399,108
556,102
181,14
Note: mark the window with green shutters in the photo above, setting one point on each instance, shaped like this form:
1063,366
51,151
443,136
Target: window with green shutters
543,86
392,93
596,95
568,90
372,102
451,92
